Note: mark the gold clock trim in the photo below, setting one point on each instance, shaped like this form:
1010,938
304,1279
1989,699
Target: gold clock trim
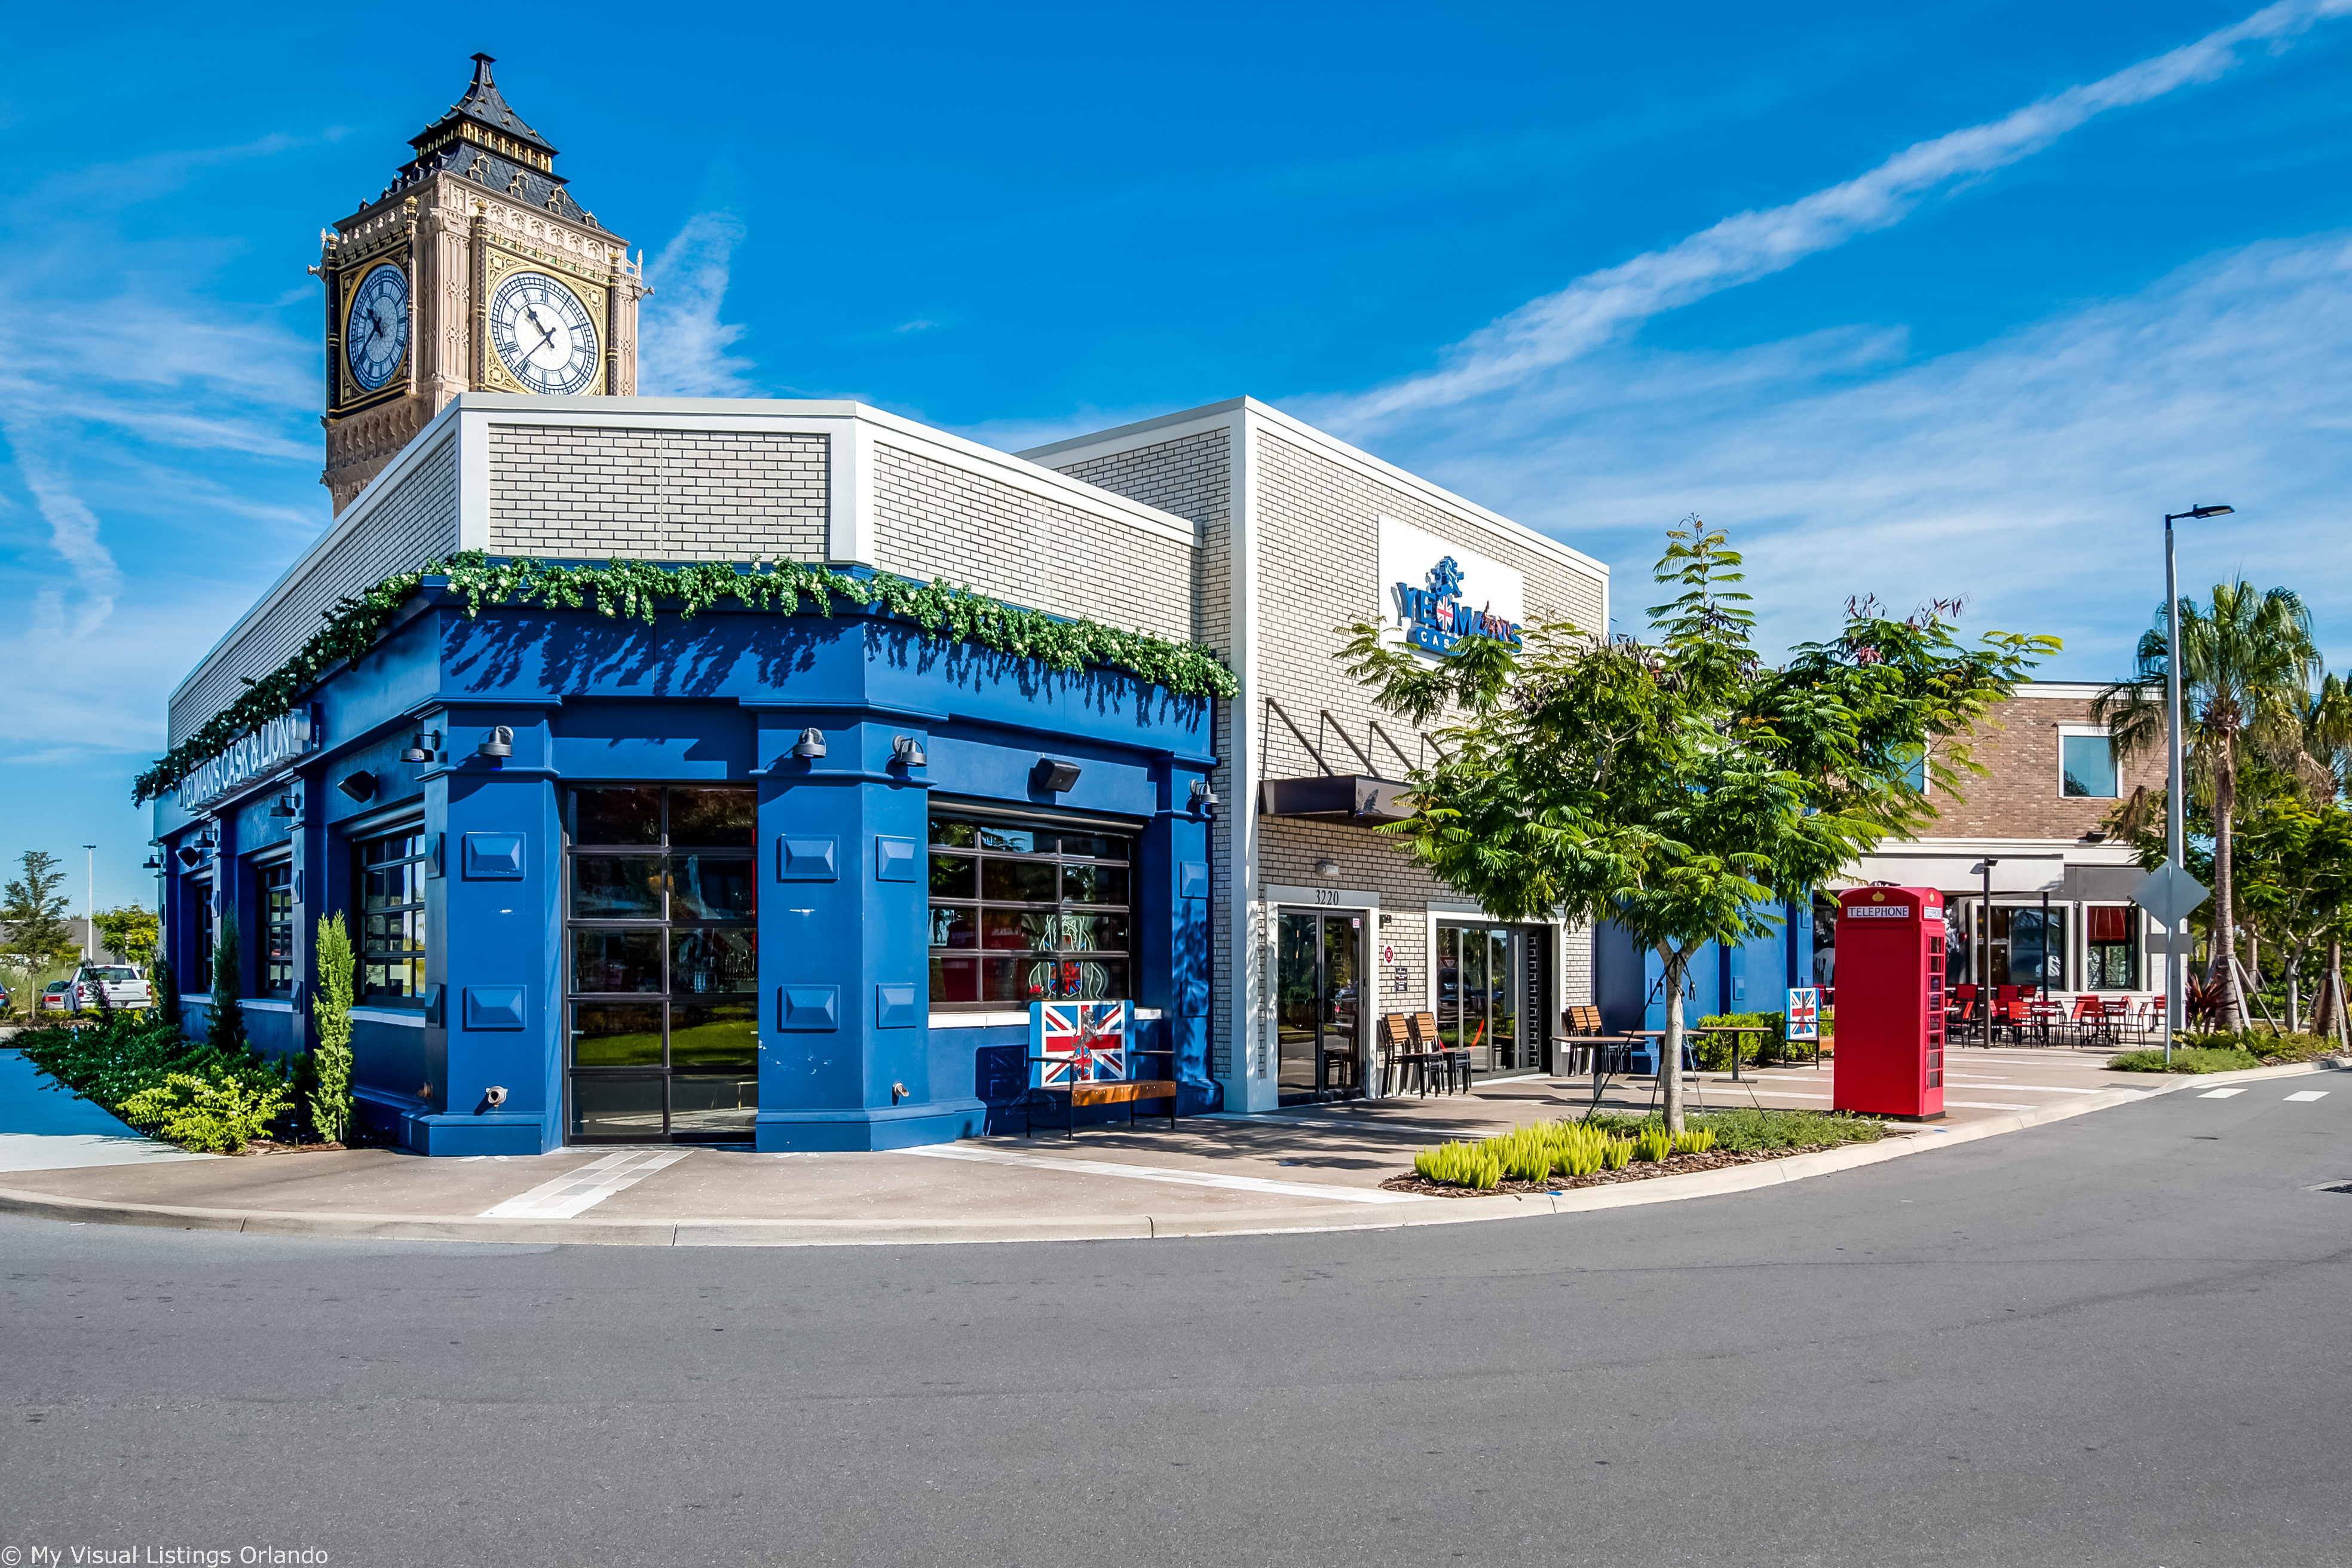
499,262
348,280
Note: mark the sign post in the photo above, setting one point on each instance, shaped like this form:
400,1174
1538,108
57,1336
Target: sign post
2170,895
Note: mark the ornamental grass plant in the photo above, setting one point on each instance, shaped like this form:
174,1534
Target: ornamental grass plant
1536,1151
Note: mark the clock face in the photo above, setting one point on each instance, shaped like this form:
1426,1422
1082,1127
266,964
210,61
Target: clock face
543,333
375,333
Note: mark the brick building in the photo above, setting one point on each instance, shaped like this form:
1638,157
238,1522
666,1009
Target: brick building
2060,908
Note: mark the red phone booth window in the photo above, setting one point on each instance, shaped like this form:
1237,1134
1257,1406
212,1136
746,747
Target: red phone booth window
1890,1002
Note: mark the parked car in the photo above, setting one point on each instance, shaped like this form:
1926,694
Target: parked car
56,997
123,986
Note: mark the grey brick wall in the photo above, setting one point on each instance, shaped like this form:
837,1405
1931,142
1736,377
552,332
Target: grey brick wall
410,525
1192,477
1319,568
934,521
656,494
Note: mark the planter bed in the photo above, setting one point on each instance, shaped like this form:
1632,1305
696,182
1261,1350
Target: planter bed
1639,1171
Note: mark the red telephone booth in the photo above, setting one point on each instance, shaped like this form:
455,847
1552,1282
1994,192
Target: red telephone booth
1890,1002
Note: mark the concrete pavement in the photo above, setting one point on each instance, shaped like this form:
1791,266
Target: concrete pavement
2110,1340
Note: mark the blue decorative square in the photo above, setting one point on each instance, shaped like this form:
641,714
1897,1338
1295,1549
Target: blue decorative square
808,1006
894,859
895,1007
493,1007
493,857
802,859
1192,880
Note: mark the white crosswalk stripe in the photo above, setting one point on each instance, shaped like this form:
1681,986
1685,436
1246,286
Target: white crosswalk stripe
2223,1093
2306,1095
578,1190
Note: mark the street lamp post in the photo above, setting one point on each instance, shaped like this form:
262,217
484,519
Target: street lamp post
89,903
2176,838
1983,965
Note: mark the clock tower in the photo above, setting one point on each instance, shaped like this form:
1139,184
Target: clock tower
473,271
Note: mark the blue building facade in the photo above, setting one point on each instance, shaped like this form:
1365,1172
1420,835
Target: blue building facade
615,897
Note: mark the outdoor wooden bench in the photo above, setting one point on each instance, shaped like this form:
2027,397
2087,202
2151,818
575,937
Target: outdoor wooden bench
1124,1092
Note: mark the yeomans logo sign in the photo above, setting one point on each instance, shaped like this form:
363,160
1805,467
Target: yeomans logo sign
1438,592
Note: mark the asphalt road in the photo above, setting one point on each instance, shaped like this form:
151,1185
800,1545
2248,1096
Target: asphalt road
2120,1338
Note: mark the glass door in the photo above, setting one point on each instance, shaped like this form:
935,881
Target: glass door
1492,984
1318,1005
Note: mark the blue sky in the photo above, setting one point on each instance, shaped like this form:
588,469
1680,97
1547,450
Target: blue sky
1919,300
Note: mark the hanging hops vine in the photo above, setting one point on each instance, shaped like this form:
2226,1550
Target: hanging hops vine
635,590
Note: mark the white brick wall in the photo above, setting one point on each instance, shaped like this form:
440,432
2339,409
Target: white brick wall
411,524
934,521
651,494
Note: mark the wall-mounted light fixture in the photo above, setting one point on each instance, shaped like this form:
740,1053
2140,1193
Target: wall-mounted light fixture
498,743
283,806
1326,867
360,787
1203,798
811,745
152,864
1054,776
421,746
907,751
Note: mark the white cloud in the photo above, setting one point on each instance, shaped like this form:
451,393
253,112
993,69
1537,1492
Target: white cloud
682,345
1595,308
2031,473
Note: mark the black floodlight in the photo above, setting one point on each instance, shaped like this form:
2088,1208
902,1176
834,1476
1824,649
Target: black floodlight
421,746
1056,777
360,787
283,806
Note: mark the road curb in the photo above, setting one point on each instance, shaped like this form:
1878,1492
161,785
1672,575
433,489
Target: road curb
684,1232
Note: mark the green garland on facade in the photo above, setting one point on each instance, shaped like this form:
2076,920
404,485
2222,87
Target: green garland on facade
635,589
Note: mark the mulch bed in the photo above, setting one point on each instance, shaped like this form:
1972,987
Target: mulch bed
1639,1171
272,1146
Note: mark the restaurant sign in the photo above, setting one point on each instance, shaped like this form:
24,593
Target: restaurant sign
268,749
1435,617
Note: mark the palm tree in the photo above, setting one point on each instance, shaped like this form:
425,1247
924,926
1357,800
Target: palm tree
2327,772
2247,666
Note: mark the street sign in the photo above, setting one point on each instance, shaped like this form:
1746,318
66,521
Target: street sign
1804,1012
2170,895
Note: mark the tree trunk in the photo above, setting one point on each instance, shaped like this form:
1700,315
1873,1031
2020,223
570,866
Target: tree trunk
2323,1007
1670,1049
2225,924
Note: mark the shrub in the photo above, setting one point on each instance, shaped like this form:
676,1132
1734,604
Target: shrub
1715,1050
1735,1130
220,1112
2273,1048
1577,1149
107,1060
1653,1144
2185,1058
330,1102
1460,1165
226,1031
1695,1140
1617,1154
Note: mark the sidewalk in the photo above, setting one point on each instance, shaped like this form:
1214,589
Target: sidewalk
43,1128
1315,1169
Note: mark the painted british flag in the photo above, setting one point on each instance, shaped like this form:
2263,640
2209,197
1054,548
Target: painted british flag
1080,1042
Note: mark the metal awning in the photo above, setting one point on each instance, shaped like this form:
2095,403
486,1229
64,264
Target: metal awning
1335,797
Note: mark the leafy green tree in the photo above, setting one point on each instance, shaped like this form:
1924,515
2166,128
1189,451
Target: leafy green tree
330,1100
130,932
2248,662
35,911
1679,786
2297,882
226,1029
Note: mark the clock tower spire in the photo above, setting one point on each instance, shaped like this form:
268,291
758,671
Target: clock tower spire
476,270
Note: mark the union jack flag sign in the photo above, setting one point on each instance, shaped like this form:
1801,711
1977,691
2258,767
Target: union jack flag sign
1080,1042
1804,1012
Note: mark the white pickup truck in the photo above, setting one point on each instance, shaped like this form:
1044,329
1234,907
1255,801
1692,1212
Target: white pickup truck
124,987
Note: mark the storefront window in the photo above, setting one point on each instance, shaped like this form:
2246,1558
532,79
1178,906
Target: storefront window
2029,948
664,967
392,919
1022,912
277,929
2110,948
